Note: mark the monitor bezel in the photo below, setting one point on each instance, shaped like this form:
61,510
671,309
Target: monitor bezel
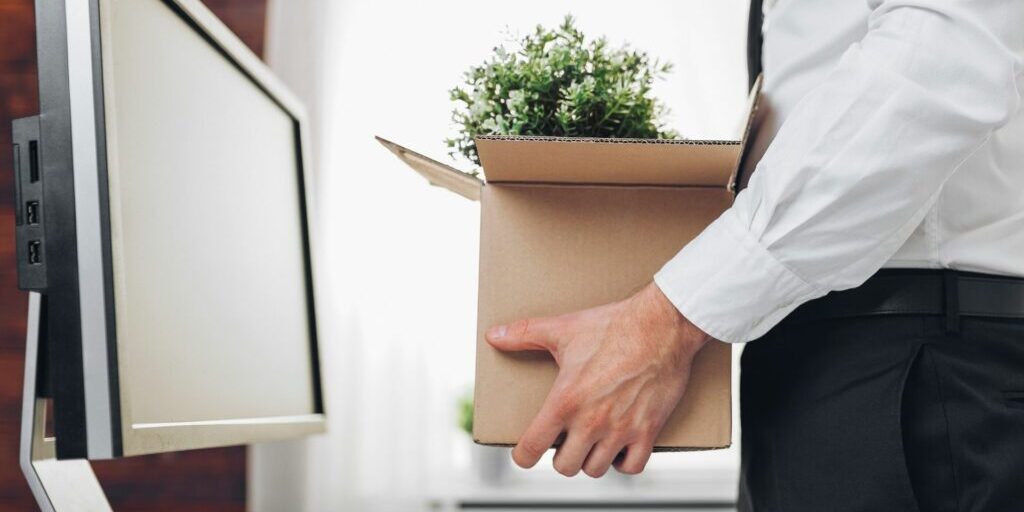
92,419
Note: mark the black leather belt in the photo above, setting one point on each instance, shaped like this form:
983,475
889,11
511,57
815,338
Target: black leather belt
950,293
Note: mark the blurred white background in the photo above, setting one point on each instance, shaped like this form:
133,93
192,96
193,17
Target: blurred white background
397,259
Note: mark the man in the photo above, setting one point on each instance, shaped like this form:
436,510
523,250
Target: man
893,139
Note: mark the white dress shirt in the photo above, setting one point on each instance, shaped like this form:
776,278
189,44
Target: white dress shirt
893,135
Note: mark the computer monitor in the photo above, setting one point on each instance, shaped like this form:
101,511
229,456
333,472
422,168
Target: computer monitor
164,219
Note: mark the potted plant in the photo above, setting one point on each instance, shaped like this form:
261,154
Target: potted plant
556,82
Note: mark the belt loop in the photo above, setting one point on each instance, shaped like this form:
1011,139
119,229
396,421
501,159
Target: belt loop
951,288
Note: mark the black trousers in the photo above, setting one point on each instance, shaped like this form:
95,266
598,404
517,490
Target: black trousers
884,413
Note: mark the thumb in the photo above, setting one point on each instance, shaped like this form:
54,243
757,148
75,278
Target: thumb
529,334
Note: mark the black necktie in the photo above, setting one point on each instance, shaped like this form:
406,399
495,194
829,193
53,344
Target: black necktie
754,41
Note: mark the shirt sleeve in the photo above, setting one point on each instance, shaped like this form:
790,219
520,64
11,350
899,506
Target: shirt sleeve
857,164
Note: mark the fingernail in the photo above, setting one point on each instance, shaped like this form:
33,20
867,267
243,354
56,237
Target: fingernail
497,332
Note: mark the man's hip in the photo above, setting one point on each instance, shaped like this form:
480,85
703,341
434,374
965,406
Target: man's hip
902,410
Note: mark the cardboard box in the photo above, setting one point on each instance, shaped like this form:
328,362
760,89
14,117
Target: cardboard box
570,223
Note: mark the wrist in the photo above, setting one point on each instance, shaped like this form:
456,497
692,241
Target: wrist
690,337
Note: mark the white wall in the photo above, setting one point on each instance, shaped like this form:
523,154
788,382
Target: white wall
397,259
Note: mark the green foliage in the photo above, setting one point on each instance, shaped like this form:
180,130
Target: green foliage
557,83
466,413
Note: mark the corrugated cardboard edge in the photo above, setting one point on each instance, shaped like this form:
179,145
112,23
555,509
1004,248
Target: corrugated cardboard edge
753,102
437,173
657,449
609,140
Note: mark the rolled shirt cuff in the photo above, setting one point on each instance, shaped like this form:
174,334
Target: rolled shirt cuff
729,285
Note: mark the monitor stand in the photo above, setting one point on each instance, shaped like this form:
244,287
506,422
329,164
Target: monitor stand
58,485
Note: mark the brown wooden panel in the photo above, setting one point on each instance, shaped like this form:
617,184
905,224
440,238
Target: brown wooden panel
198,481
18,97
247,18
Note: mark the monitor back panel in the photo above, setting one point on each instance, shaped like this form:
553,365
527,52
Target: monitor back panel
208,245
195,312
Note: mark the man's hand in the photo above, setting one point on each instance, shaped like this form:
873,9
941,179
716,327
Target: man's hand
623,367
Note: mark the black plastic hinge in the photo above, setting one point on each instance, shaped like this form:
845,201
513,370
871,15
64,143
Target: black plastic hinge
29,207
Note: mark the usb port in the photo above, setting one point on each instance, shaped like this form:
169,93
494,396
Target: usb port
35,252
32,213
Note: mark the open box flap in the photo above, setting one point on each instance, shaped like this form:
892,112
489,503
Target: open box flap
578,160
598,161
753,102
437,173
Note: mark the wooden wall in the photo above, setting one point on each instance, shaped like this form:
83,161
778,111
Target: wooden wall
200,481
